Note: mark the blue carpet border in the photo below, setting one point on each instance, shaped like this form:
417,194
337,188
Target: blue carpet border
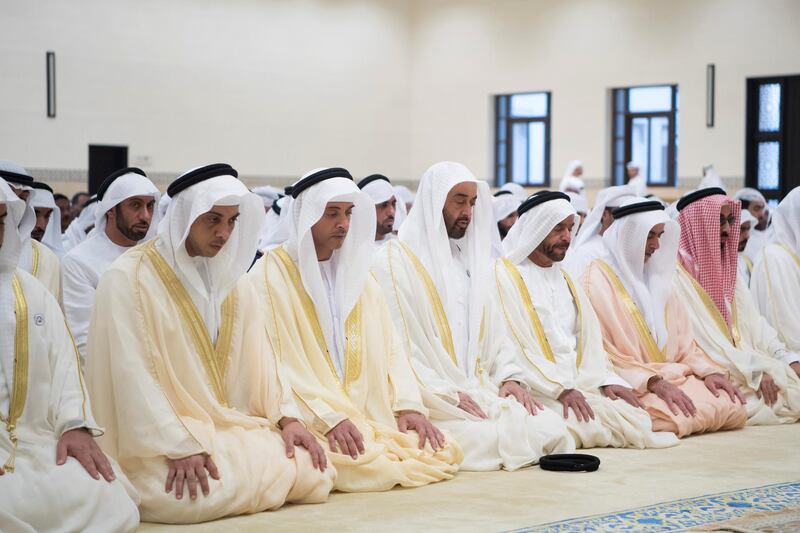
679,515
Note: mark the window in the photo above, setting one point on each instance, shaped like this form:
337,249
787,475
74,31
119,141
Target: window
773,126
522,138
644,130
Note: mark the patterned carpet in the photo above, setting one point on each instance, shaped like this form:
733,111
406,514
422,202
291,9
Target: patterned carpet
681,515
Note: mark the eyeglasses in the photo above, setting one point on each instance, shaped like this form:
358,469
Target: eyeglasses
731,219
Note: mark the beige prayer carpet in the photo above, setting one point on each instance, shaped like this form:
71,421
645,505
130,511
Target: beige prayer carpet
748,465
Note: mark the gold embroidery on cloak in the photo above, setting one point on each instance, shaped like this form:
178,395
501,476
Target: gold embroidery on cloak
19,390
352,326
442,324
733,333
645,335
35,253
214,358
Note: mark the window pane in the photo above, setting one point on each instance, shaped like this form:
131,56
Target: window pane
768,161
620,125
536,153
519,151
529,105
659,150
640,141
642,99
501,130
769,107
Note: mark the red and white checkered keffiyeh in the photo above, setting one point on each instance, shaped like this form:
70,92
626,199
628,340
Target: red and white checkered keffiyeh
700,253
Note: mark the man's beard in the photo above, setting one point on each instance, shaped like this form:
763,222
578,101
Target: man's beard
37,234
556,252
742,245
129,232
385,228
455,231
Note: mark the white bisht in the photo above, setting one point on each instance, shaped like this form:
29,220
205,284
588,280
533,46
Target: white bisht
83,266
439,292
775,283
42,397
555,328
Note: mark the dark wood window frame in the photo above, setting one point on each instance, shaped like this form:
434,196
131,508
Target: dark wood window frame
502,168
672,149
754,137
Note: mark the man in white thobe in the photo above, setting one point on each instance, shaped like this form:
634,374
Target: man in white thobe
48,218
745,266
35,258
504,208
776,275
51,469
588,245
80,227
761,233
125,217
552,321
437,279
387,208
726,322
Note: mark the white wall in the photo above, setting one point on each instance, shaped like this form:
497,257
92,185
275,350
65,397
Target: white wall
277,87
464,51
274,87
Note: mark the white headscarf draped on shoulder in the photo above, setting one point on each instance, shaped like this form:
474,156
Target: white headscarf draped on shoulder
210,279
425,233
649,283
350,263
533,227
786,221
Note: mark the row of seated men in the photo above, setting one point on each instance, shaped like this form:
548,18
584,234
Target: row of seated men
203,384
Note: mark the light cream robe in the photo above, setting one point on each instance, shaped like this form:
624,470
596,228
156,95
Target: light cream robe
510,438
637,358
564,350
40,495
378,381
168,393
746,353
775,285
46,267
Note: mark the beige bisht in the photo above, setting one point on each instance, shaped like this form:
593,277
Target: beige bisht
350,368
180,364
438,290
552,321
41,398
